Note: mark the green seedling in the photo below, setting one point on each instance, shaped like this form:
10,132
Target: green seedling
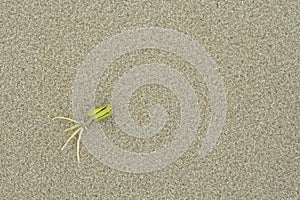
98,114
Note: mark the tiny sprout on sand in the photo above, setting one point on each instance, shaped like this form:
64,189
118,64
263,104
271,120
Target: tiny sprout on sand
98,114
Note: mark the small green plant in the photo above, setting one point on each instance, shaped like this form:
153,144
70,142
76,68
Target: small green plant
99,114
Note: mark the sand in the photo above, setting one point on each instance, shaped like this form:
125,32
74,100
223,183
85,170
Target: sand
255,48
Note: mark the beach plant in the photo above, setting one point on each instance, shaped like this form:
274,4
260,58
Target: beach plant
98,114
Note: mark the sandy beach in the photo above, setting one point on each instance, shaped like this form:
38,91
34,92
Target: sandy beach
253,47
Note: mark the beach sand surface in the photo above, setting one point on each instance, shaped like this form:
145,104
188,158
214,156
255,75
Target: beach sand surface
254,45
